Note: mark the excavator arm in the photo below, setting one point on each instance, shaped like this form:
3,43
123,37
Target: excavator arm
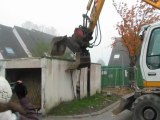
154,3
96,10
80,40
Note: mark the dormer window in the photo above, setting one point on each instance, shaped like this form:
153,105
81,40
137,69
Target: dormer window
9,50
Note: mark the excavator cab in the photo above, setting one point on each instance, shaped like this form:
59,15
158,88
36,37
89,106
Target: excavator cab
80,40
144,103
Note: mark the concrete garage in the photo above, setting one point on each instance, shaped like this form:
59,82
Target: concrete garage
49,83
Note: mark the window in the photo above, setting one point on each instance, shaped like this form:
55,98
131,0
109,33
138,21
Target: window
153,54
117,56
9,50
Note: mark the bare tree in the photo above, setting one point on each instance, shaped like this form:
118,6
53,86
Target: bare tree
43,28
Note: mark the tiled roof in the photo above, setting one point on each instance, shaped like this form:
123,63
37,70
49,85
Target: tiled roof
33,39
9,45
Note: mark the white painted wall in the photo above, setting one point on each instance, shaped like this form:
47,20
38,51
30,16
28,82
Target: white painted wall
1,56
95,79
76,81
83,82
23,63
58,83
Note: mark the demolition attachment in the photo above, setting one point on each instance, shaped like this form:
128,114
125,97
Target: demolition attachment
78,44
80,40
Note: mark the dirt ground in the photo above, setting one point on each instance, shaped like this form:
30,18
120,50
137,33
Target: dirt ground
118,90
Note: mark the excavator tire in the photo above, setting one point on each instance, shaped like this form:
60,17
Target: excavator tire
146,107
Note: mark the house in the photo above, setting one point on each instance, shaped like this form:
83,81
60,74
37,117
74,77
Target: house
33,41
18,42
10,48
119,55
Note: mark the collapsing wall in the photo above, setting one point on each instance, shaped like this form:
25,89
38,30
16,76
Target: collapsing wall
61,84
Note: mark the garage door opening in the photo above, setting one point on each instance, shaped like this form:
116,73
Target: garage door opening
31,78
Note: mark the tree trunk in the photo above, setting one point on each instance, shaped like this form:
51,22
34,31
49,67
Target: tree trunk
132,72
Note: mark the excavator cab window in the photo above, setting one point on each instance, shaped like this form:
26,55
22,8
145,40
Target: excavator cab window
153,54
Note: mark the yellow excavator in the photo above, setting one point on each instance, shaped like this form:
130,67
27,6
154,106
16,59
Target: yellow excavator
145,103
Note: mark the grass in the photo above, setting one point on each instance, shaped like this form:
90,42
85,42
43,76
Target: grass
84,106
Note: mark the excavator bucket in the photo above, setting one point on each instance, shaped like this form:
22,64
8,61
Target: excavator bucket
80,62
125,103
58,46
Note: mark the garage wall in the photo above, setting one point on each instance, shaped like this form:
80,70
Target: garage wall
60,85
57,83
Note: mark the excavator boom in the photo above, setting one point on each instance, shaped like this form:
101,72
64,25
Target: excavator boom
94,16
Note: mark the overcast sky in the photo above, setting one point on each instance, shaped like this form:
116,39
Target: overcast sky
64,16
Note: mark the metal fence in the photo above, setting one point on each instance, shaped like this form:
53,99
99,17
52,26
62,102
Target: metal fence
119,76
32,80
